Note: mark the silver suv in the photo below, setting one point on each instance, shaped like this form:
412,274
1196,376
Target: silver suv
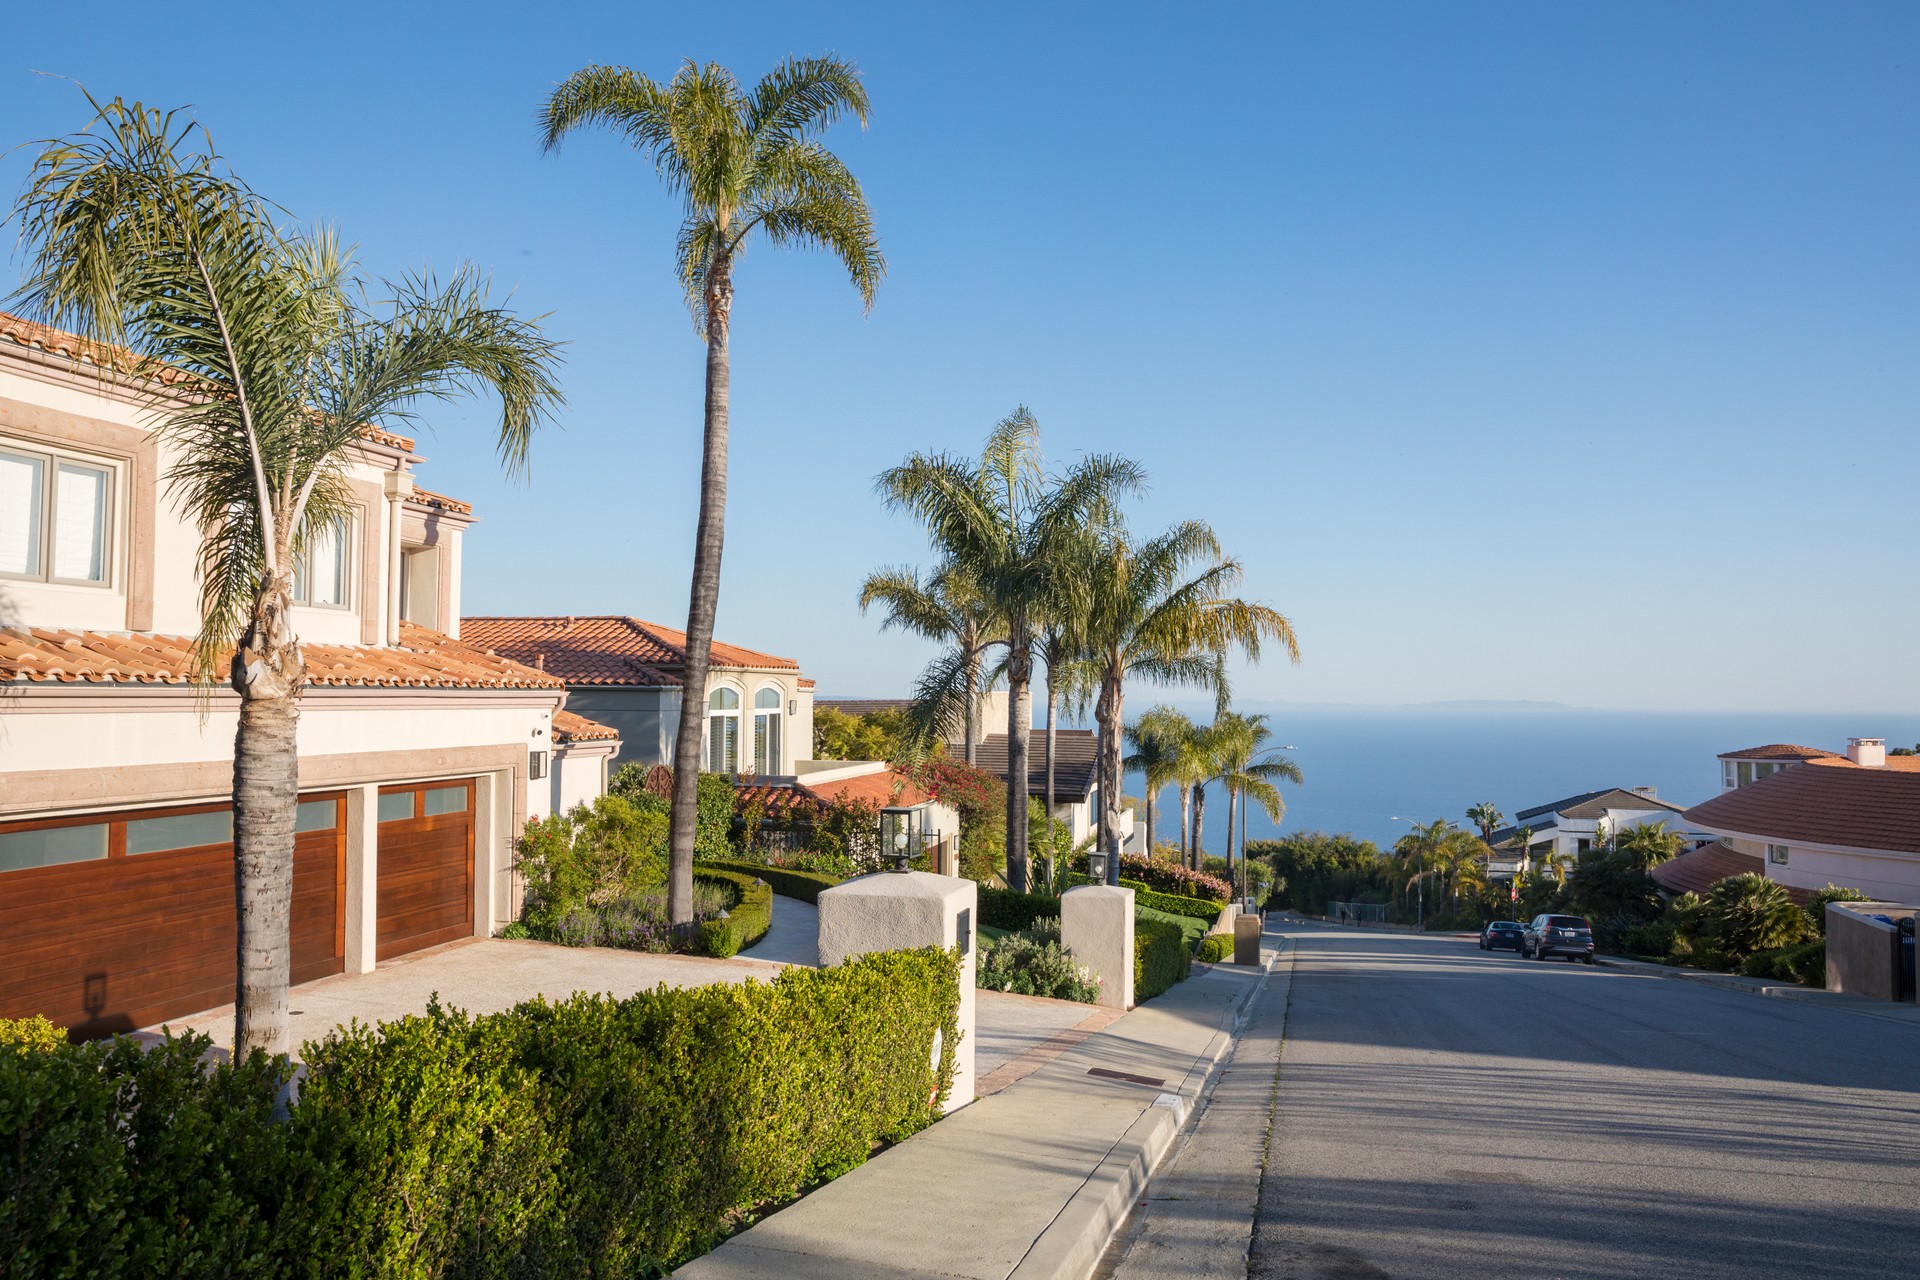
1569,936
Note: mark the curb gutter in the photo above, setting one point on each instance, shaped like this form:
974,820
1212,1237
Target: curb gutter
1886,1010
1073,1243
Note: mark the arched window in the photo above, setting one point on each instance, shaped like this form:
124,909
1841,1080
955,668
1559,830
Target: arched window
766,732
723,731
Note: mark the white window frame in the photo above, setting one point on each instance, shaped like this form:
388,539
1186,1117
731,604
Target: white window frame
775,714
51,461
715,713
1777,854
302,597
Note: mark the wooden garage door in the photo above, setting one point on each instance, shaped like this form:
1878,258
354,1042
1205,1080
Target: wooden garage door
116,921
426,866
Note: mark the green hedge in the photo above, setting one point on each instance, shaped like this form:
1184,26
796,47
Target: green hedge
591,1137
1804,963
1145,895
807,886
746,923
1005,909
1160,958
1216,948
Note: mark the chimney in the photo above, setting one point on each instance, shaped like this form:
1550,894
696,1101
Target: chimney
1651,793
539,662
1868,753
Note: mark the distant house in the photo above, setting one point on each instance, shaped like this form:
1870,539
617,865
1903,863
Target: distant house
1851,820
1076,787
631,675
906,810
1568,828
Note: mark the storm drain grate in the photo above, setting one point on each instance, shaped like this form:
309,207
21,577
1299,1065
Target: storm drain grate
1150,1081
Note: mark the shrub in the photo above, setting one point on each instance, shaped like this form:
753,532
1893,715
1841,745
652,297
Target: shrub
1160,958
652,786
1808,962
1033,966
615,847
640,922
746,922
1215,948
1173,903
1653,940
588,1137
1749,913
514,931
1005,909
1817,904
788,882
1171,877
32,1033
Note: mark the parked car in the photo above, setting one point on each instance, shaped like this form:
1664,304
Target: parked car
1548,936
1502,933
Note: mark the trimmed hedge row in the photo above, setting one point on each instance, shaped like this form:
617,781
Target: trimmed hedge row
1005,909
591,1137
1215,948
745,924
807,886
1145,895
1160,958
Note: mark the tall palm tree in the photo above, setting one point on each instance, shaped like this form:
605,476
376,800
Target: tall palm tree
1010,529
1649,844
1157,739
743,162
1250,771
1487,816
141,238
1160,610
946,607
1424,850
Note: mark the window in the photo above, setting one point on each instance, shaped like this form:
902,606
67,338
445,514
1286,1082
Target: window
766,731
51,846
53,518
723,731
1746,772
441,800
179,831
320,579
396,806
1777,854
1726,775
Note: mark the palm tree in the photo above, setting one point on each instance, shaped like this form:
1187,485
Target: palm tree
945,607
742,163
1649,844
1157,738
142,238
1010,530
1160,609
1427,848
1250,771
1487,817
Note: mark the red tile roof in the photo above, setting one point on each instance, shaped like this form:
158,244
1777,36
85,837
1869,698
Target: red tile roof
569,727
1781,751
438,501
889,790
30,333
1703,868
1828,801
605,649
425,659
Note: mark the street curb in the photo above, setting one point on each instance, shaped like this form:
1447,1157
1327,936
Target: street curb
1884,1010
1074,1242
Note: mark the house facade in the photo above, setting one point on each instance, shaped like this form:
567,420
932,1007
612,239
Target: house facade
1566,829
1851,820
631,675
420,756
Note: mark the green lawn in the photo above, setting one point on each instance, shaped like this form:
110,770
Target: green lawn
1192,927
992,934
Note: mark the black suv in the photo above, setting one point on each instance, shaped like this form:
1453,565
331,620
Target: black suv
1569,936
1501,933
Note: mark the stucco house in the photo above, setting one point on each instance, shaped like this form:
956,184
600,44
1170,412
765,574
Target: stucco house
1851,820
421,755
1568,828
631,675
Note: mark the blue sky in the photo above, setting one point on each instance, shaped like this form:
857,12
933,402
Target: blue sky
1520,351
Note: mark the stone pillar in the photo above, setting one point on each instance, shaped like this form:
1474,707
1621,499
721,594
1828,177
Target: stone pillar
1246,938
895,912
1096,925
363,876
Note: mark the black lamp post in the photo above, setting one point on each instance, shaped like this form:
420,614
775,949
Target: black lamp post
1097,865
898,836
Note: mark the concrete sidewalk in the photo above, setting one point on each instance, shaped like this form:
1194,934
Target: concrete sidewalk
1027,1184
1892,1011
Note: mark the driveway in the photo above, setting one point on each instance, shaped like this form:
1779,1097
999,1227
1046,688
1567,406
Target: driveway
1443,1112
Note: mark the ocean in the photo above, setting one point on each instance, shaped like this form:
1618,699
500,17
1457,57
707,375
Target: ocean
1364,766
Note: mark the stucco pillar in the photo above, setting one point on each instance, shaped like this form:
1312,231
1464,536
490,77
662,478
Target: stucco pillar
1096,925
398,486
895,912
363,876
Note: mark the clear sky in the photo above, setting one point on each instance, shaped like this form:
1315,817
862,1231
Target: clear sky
1560,352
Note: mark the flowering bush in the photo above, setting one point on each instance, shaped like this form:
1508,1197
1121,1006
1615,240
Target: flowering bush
1167,877
636,923
1028,966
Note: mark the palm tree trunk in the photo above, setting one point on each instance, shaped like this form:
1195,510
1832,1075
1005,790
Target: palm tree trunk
1108,711
1148,842
1199,850
1019,730
1186,824
1053,700
268,673
972,664
703,600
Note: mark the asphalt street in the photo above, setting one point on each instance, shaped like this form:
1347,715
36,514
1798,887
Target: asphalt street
1443,1112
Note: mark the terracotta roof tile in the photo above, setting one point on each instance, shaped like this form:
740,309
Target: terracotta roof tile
1831,801
890,790
1703,868
439,501
805,682
1780,751
425,659
605,649
569,727
30,333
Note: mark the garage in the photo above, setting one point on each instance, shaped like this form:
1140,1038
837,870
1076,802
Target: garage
117,921
425,866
